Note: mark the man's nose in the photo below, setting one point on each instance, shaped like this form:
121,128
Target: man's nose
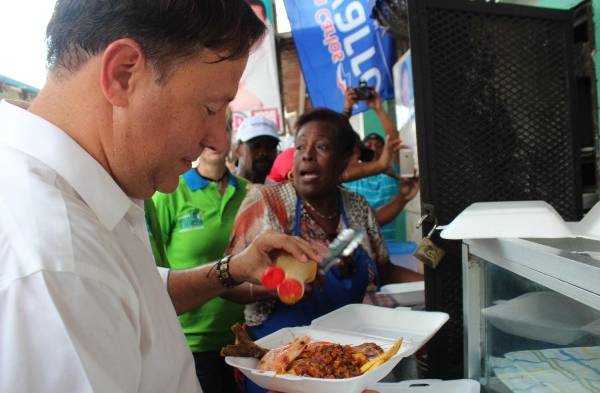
264,151
308,154
217,136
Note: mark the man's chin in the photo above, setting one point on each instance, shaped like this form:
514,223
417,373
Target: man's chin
262,170
167,185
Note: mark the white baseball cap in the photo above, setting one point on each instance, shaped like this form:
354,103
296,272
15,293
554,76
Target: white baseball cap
256,126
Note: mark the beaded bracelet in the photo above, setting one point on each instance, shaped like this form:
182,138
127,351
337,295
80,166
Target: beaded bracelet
222,267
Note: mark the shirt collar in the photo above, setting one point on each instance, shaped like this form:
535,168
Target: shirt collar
196,182
35,136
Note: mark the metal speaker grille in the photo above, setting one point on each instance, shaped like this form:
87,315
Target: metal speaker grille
443,292
495,107
501,111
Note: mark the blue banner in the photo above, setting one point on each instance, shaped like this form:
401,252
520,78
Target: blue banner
339,45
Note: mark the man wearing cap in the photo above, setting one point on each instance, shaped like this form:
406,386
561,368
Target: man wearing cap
375,143
256,149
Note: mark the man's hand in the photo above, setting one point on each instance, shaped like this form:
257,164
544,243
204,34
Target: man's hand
409,187
350,99
250,264
390,151
374,102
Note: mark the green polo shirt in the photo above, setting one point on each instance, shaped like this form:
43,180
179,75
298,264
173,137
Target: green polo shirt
195,223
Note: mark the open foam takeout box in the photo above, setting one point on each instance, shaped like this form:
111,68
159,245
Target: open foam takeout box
352,324
519,219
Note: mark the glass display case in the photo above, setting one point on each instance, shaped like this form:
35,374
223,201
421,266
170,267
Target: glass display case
532,314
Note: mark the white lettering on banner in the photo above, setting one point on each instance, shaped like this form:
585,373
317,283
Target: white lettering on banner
330,38
356,61
352,38
373,72
355,16
336,4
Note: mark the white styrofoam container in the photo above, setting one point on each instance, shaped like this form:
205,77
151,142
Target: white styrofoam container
429,386
521,219
406,294
352,324
544,316
589,226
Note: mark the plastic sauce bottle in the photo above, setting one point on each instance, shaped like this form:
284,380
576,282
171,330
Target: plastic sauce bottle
289,275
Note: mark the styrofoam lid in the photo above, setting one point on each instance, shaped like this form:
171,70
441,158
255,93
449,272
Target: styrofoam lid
404,287
520,219
429,386
589,226
383,322
406,293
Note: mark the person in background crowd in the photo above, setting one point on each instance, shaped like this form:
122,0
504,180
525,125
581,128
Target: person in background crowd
256,148
136,90
282,167
375,143
195,223
314,207
385,193
356,169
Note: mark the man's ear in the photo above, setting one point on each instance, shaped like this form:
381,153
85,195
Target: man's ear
123,62
237,147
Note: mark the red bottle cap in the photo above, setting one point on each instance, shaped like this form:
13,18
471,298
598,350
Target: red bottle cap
290,291
272,277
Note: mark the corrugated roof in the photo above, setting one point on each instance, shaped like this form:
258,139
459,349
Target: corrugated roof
23,86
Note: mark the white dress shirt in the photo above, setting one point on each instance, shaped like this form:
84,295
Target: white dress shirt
82,305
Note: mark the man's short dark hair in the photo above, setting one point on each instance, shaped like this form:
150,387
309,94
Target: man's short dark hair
337,123
167,30
376,136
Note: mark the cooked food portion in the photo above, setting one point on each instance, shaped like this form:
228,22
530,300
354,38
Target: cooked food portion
279,359
368,349
244,346
381,358
328,360
317,359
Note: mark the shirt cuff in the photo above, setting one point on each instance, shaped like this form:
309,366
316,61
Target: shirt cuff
164,274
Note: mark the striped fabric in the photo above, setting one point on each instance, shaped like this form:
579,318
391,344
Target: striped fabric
569,370
378,190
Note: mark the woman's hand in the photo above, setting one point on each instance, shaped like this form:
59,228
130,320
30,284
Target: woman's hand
350,99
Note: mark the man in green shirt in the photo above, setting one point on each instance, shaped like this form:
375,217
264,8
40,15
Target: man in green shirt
194,225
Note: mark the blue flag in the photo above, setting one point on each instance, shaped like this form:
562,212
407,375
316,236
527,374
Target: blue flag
339,45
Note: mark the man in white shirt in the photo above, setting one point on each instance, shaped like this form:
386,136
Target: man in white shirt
136,90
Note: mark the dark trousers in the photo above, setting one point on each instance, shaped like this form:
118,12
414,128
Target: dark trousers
214,374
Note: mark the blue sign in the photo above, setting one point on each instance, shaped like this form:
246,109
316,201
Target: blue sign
339,45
